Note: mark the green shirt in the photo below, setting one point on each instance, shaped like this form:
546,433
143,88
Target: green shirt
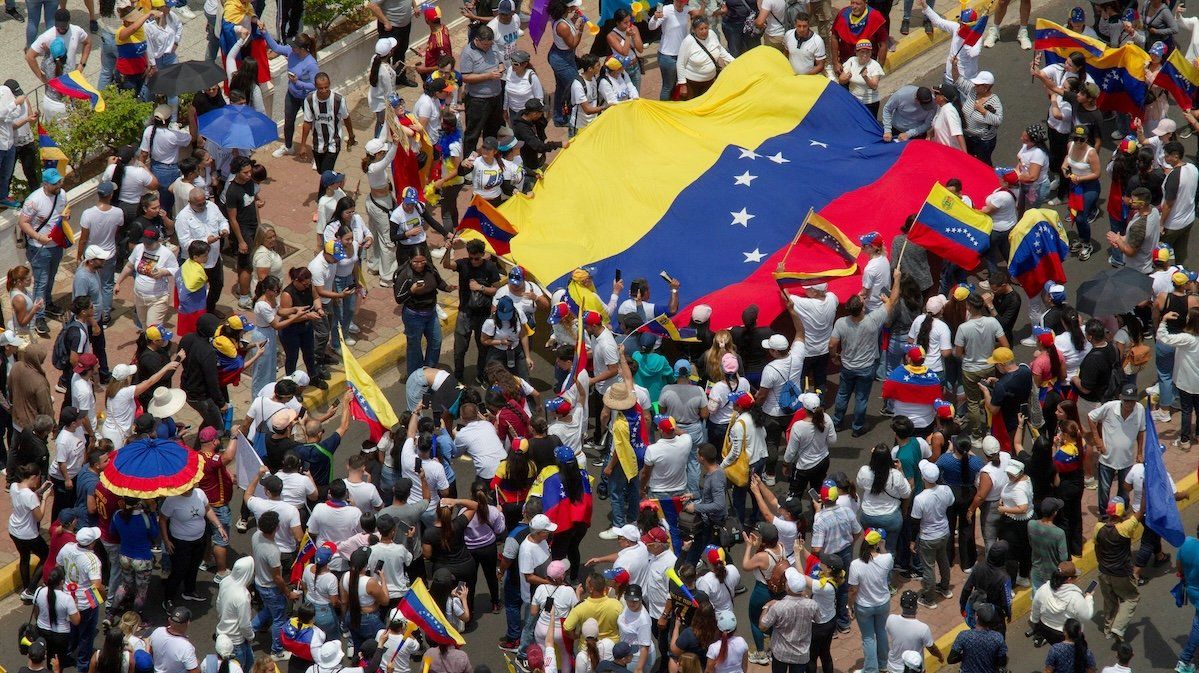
1048,543
909,456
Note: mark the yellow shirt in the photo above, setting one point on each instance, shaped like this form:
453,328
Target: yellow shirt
605,611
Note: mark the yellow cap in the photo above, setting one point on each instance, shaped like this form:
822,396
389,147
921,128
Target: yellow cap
224,345
613,63
1001,356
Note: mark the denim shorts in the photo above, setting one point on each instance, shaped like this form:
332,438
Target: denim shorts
224,516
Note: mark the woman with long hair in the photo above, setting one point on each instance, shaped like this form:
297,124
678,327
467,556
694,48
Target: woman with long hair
506,338
869,595
244,77
931,333
267,258
1186,364
762,553
56,615
363,593
1070,341
483,532
624,40
1130,344
1179,301
30,501
1122,168
730,653
382,80
990,579
1081,168
593,649
1056,602
903,314
959,471
551,603
746,433
444,543
1038,463
348,228
1069,454
883,488
120,400
269,320
568,23
513,478
112,657
511,386
1032,166
1072,654
713,358
824,591
721,580
450,597
298,337
321,592
576,520
1048,364
380,257
19,283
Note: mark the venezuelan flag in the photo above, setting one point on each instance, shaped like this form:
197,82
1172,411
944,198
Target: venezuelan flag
307,552
1038,248
75,85
556,504
482,217
946,226
131,53
912,385
52,154
668,511
663,327
579,364
971,33
630,438
673,576
420,609
62,234
822,246
191,288
724,182
1120,73
369,405
1180,77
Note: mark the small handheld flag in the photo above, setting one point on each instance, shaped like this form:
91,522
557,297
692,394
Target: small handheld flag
946,226
369,405
482,217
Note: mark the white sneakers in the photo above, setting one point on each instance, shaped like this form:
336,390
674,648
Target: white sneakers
1161,416
610,534
1028,341
1022,38
185,12
992,36
281,151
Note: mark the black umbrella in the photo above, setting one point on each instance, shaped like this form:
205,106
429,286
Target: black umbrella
186,77
1113,291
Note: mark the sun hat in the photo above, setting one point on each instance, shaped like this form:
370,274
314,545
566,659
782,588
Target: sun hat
620,397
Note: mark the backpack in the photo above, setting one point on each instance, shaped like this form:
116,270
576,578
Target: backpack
777,583
794,7
60,356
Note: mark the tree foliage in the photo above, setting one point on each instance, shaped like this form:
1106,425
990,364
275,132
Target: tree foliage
83,133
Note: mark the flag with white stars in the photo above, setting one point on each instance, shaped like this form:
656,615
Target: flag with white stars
1119,72
947,227
1038,243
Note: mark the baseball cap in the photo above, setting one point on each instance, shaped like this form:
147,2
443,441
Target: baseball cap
505,7
873,237
592,319
656,535
741,400
1001,356
86,536
1014,467
776,342
983,77
432,14
829,491
336,249
159,332
729,364
795,580
924,95
863,44
943,409
505,308
701,314
516,275
559,405
1164,127
629,532
95,252
331,178
376,145
323,555
180,614
491,143
542,524
929,471
633,592
915,355
908,601
874,536
283,419
383,47
665,424
1049,506
1129,393
913,660
105,188
410,196
990,445
208,434
68,516
726,621
621,650
85,362
123,371
533,104
591,628
522,56
53,177
300,377
564,454
11,338
151,235
968,16
1115,507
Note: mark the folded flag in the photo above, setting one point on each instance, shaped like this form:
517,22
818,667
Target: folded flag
420,609
821,246
912,384
971,33
947,227
663,327
1119,72
1180,77
75,85
52,154
369,404
1038,248
483,218
1161,511
61,233
1075,201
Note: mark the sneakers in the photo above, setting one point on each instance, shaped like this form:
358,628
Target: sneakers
281,655
353,328
509,645
26,596
762,658
242,525
1023,582
1075,246
193,598
12,11
1090,483
441,314
220,576
383,282
928,29
282,151
769,479
1183,443
41,326
320,384
1182,667
350,341
185,12
1028,341
245,301
1022,38
1161,416
610,534
60,388
927,602
945,593
204,567
904,28
1087,250
992,36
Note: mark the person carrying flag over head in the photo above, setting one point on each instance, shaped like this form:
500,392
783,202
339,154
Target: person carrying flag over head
966,54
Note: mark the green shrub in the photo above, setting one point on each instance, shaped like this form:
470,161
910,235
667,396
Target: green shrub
83,133
323,14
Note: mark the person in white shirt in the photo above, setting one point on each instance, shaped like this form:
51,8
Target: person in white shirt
70,446
876,277
673,19
479,440
817,310
615,85
782,375
289,534
77,46
701,55
152,266
361,492
967,55
862,75
665,472
40,214
930,508
173,651
947,125
771,21
804,47
1178,201
335,521
1118,433
906,634
202,220
183,522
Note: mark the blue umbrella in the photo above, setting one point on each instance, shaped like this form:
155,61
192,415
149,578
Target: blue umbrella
238,127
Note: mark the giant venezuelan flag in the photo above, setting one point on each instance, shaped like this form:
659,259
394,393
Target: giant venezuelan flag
724,182
1120,73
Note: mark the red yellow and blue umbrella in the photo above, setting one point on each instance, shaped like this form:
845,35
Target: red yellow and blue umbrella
152,468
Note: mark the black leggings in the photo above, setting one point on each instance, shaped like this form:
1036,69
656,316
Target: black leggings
1015,533
822,646
486,559
57,645
565,545
35,546
962,546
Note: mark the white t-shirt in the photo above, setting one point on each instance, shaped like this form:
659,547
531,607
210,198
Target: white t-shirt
487,178
103,225
264,313
737,648
778,372
136,181
1003,218
1136,479
564,597
69,449
939,339
718,397
82,568
479,440
817,317
872,580
289,516
582,90
1016,494
1029,156
524,305
334,524
530,557
21,523
434,474
803,55
634,628
930,506
172,653
1119,433
186,514
1182,215
506,34
858,72
146,263
64,607
668,457
947,126
296,488
323,273
83,397
42,209
604,354
264,407
119,412
319,589
364,495
505,331
617,88
73,41
903,634
721,594
775,27
877,279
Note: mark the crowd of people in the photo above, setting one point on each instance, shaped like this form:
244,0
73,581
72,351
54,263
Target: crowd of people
734,433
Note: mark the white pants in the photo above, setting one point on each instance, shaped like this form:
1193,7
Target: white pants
381,256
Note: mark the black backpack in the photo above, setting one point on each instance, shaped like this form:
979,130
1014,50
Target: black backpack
60,357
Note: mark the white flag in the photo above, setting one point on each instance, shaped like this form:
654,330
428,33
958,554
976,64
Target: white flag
248,463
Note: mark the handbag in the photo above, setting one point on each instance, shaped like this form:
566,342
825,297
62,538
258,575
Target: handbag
27,633
748,27
737,474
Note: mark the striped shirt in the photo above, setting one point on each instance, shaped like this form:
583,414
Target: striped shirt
326,117
978,125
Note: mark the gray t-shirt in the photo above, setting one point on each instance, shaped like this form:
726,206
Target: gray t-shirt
977,337
859,339
407,516
86,284
398,12
266,559
683,402
475,61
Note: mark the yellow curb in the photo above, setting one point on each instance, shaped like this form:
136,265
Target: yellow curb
10,576
917,42
1022,601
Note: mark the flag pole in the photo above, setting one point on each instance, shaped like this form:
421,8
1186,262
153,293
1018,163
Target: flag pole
902,249
798,233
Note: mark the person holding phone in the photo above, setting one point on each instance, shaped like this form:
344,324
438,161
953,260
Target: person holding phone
416,287
347,227
1056,601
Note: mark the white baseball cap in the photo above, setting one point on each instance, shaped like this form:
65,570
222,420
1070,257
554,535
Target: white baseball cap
95,252
542,524
629,532
776,342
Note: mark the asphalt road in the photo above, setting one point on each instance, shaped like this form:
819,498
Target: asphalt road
1024,103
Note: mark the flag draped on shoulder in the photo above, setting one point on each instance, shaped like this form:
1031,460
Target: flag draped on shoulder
557,504
369,404
945,226
912,384
1038,248
630,438
668,510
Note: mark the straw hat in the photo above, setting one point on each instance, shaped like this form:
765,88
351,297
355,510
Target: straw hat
620,397
166,402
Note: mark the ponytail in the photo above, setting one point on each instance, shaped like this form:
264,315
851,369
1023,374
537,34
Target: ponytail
926,328
818,418
375,63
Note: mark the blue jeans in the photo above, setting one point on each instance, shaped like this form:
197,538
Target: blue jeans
1119,226
893,358
1163,359
528,627
244,653
1106,476
668,66
8,161
326,620
699,436
858,383
387,484
738,42
418,326
108,59
512,604
345,308
44,263
741,492
82,638
1090,199
842,596
624,495
414,386
872,621
167,174
40,19
214,45
368,627
274,610
562,61
758,598
888,522
108,278
268,363
1188,650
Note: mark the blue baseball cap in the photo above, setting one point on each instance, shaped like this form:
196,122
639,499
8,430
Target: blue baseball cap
331,178
58,48
1077,15
336,249
143,661
516,275
323,555
51,176
409,196
564,454
682,366
505,309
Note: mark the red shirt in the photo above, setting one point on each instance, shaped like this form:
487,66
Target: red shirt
216,482
439,45
58,537
107,504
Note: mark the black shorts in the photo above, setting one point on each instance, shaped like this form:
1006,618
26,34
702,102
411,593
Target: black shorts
244,262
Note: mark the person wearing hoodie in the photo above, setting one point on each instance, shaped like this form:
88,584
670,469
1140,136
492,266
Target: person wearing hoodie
1055,602
199,380
989,577
28,387
233,610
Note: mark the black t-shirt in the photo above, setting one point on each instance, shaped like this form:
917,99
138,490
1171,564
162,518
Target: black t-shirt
486,273
148,364
240,198
457,553
142,223
1096,370
1010,392
1113,552
276,449
1091,119
749,346
204,103
1152,181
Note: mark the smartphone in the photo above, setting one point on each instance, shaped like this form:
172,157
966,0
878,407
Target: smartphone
814,495
379,566
618,275
352,286
427,400
462,586
1091,586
